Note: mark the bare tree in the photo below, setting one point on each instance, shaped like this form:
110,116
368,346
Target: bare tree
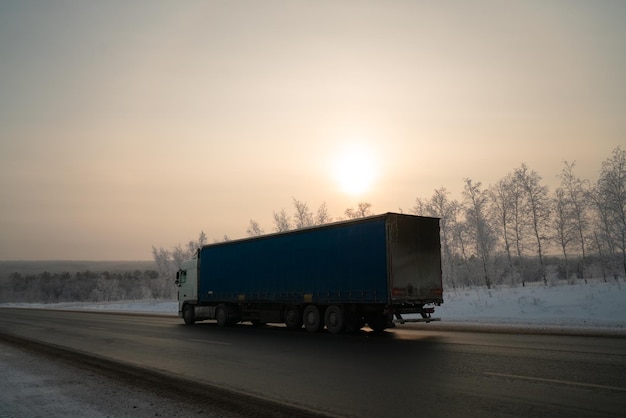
179,255
519,227
363,209
461,238
303,216
502,211
565,231
281,221
577,196
537,205
165,266
323,216
254,229
162,258
476,217
603,238
194,246
612,190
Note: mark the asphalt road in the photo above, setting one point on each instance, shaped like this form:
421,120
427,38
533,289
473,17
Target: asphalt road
403,372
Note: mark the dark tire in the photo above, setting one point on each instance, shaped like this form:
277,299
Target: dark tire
377,322
293,317
188,315
334,319
221,315
312,319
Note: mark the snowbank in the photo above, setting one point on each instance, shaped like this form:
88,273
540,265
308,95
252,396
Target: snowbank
596,304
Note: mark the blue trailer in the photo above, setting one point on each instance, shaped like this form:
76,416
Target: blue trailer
340,276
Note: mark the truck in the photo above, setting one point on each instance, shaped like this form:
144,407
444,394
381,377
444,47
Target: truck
341,276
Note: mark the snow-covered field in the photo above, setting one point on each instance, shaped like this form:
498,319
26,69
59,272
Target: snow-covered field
593,305
596,304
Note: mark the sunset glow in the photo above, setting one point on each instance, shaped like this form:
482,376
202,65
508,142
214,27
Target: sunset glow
125,125
355,170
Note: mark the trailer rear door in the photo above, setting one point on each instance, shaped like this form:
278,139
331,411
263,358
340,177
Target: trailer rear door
414,259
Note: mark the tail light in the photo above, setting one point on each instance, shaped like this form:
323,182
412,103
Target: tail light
398,291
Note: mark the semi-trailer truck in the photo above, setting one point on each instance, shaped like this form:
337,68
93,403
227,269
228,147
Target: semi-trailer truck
340,275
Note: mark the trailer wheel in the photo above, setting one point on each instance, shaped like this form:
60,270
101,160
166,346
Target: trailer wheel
189,315
293,317
334,319
312,319
221,314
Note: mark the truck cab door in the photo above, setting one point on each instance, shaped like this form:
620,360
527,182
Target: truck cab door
187,287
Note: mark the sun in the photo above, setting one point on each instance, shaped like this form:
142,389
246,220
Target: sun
354,169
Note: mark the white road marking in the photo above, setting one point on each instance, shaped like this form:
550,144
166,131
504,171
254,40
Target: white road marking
561,382
211,342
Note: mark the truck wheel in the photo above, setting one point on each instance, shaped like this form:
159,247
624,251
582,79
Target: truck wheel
334,320
221,314
189,315
312,319
293,317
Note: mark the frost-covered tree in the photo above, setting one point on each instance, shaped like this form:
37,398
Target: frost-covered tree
611,191
476,218
323,216
194,246
537,210
604,245
282,222
577,201
163,286
163,260
179,255
502,214
519,227
303,217
565,232
254,229
363,209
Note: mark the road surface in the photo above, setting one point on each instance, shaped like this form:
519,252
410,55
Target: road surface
403,372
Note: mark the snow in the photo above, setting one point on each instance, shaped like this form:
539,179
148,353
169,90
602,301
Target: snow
597,304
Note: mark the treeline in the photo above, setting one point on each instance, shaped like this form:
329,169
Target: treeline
517,231
86,286
512,232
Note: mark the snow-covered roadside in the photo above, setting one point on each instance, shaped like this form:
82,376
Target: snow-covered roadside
593,305
138,306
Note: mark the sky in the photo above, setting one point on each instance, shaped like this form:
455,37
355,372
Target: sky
125,125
